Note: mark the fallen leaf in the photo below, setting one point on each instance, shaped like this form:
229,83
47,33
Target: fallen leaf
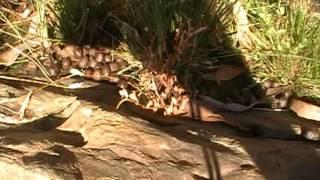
9,56
228,72
224,73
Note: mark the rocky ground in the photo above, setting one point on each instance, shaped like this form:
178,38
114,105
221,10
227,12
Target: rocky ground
79,135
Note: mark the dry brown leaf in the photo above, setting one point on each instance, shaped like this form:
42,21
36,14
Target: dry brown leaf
224,73
9,56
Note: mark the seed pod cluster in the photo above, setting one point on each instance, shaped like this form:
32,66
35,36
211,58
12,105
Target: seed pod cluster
97,63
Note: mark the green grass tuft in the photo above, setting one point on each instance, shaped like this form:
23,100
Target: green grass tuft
286,45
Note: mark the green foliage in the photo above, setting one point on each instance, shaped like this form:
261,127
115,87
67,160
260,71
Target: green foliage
286,45
81,20
71,17
170,29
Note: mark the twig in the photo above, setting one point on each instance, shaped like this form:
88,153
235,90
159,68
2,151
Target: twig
34,81
24,105
8,109
123,101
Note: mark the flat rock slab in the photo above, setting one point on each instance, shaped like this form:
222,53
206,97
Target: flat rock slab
97,142
100,144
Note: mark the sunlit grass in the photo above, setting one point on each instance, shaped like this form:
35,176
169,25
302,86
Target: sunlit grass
286,44
173,35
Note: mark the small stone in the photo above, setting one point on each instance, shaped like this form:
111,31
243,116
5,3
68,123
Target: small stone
275,104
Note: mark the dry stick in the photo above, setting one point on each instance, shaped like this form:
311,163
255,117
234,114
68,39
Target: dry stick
7,109
34,81
24,105
123,101
27,100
